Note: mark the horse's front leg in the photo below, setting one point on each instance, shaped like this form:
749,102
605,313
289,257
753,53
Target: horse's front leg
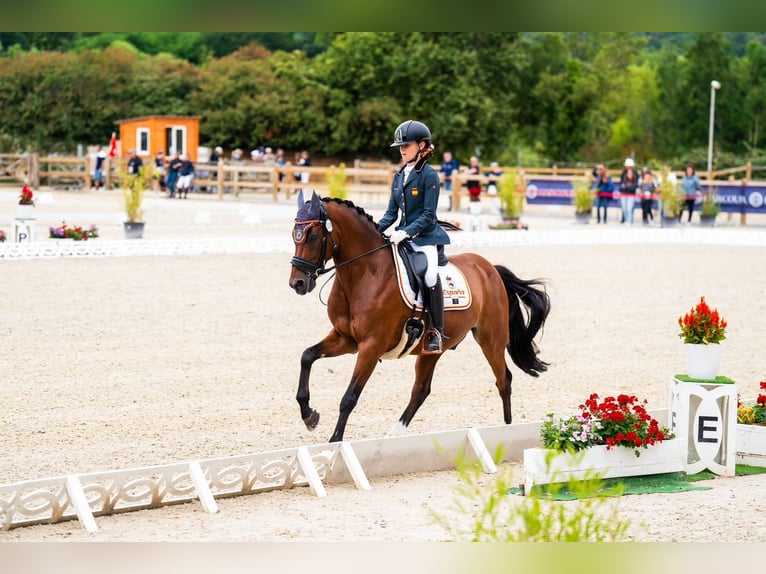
365,365
332,345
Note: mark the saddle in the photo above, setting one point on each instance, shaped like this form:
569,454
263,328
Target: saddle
411,266
416,265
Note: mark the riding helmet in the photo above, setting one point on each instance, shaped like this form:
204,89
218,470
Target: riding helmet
411,131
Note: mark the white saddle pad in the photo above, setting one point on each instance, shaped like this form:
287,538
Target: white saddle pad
457,294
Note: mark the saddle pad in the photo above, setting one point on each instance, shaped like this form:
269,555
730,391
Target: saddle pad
457,294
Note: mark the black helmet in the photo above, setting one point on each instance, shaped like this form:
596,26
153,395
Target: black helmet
411,131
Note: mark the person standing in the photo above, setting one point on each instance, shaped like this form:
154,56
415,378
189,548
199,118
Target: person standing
604,191
648,186
628,187
415,193
173,166
185,176
98,170
449,165
159,170
134,163
692,188
474,185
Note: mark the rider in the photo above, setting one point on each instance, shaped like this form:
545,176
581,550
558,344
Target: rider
415,191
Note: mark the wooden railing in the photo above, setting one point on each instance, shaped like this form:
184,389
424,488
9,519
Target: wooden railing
369,181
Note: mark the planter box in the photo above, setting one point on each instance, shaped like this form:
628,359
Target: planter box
751,445
667,456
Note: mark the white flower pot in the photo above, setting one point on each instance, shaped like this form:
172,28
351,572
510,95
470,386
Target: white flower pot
702,361
667,456
751,445
25,212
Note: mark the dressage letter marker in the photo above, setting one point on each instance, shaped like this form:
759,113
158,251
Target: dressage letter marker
704,416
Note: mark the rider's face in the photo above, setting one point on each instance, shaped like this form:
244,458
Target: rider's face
409,151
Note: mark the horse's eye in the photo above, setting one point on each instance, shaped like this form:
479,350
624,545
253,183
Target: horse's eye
313,237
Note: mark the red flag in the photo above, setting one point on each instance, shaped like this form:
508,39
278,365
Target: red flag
113,145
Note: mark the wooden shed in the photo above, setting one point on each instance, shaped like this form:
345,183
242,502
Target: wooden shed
149,134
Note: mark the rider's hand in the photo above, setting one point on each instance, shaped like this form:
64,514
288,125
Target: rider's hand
398,236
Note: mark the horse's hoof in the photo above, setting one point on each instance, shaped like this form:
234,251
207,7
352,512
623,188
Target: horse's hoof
312,420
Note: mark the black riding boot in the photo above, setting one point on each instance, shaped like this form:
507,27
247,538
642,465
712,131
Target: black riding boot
435,335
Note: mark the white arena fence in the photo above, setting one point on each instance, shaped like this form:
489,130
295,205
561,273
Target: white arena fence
271,244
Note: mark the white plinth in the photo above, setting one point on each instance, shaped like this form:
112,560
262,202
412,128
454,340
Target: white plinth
23,230
704,417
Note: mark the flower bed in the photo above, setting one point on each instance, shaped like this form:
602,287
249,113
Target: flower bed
77,233
612,437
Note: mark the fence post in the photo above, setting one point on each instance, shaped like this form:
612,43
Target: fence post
220,175
33,170
743,213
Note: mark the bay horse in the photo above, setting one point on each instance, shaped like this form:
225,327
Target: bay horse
368,314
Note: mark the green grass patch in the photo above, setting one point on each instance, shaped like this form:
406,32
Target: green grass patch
719,380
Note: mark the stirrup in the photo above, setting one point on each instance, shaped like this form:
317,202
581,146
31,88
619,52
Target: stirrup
439,339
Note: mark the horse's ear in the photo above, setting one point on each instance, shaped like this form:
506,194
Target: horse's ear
315,201
300,199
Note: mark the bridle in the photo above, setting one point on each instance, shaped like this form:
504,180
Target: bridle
314,269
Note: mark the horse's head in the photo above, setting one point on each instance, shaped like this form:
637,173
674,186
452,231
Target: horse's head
310,233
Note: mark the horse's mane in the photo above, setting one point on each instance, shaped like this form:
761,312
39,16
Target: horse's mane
359,210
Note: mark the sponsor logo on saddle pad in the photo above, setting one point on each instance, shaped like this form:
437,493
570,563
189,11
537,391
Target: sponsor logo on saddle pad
457,294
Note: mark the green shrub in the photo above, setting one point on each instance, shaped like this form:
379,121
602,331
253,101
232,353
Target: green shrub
492,513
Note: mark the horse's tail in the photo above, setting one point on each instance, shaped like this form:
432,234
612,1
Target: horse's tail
532,294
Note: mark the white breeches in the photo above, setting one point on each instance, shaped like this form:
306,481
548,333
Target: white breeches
432,257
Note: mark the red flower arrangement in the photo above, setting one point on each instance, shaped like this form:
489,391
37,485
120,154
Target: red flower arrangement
27,196
702,326
621,421
77,233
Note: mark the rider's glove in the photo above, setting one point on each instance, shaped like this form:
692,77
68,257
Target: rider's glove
398,236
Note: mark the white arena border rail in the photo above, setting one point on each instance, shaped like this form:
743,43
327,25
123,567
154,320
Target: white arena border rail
466,240
85,496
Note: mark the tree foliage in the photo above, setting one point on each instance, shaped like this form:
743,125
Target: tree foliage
567,98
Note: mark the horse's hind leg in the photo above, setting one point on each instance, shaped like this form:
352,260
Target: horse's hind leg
332,345
421,388
494,352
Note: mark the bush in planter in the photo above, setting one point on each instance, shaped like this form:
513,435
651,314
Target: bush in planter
583,197
133,188
336,181
670,200
709,206
511,191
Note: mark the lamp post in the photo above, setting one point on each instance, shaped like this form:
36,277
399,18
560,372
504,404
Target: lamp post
714,85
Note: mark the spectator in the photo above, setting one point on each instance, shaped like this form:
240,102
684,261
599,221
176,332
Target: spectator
473,185
279,160
692,189
494,174
236,156
217,154
604,191
296,163
185,176
305,161
158,174
628,187
648,185
449,165
98,169
134,162
172,179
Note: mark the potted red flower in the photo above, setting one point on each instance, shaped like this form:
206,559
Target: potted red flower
702,330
